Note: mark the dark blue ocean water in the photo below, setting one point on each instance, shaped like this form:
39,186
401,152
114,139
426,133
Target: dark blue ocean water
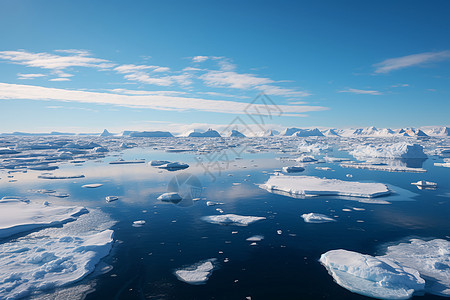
282,266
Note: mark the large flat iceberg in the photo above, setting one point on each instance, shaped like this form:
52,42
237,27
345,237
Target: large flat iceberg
315,186
18,216
231,219
398,150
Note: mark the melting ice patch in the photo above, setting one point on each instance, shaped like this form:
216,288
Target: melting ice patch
317,218
231,219
198,273
406,268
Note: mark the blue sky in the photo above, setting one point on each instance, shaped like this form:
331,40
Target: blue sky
82,66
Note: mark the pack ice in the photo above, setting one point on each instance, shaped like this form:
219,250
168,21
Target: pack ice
315,186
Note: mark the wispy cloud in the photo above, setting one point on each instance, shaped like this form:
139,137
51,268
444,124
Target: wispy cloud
30,92
398,63
60,79
29,76
365,92
53,61
199,58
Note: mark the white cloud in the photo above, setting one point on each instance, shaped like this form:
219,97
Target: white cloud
233,80
278,91
60,79
199,58
53,61
161,69
29,76
30,92
366,92
139,92
397,63
125,69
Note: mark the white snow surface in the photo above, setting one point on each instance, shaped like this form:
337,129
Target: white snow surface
232,219
18,216
376,277
398,150
198,273
314,186
30,265
317,218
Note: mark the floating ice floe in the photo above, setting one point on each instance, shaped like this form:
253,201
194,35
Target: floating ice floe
198,273
173,166
111,198
60,176
315,186
445,164
407,268
32,264
232,219
18,216
139,223
170,197
324,168
317,218
422,184
255,238
306,159
155,163
387,168
92,185
211,203
293,169
126,162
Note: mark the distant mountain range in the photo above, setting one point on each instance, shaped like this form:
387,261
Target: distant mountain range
432,131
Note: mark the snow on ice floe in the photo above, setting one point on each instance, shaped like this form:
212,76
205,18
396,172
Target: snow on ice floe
18,216
315,186
36,263
198,273
173,166
317,218
232,219
111,198
371,276
423,184
127,162
415,266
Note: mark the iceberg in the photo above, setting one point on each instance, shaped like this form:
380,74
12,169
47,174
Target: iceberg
209,133
111,198
386,168
398,150
306,159
375,277
173,166
422,184
255,238
315,186
150,134
18,216
60,176
232,219
317,218
198,273
155,163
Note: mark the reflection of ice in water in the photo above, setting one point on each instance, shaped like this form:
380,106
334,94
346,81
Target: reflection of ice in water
186,185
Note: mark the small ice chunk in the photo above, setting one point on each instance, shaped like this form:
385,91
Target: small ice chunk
170,197
255,238
139,223
92,185
371,276
111,198
293,169
317,218
232,219
211,203
198,273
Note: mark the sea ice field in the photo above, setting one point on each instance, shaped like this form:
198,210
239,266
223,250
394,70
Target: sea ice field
303,214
